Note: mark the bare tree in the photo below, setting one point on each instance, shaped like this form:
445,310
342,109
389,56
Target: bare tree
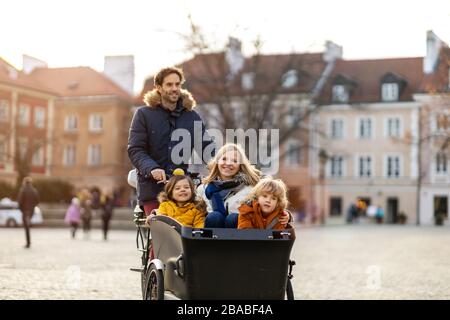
22,154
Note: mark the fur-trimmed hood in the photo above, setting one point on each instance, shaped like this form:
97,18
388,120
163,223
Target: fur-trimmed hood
153,99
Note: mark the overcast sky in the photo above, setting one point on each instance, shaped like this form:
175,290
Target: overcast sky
81,32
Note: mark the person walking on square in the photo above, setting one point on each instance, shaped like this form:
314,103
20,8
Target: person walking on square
28,199
107,205
86,212
73,216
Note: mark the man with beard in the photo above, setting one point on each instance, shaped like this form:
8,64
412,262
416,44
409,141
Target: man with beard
150,145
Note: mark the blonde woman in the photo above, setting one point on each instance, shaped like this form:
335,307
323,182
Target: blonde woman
229,182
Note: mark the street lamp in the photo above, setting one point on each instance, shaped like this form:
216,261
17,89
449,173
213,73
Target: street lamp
323,157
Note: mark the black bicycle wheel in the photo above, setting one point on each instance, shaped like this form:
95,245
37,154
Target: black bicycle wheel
155,284
289,290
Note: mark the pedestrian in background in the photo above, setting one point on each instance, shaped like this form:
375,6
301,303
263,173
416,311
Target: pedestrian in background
28,199
107,205
73,216
379,215
86,212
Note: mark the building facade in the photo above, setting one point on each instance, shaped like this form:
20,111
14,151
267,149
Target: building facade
26,134
384,128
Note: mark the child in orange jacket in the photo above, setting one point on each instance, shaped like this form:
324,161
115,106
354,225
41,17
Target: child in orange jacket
264,206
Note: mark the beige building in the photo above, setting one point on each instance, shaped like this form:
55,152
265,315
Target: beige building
384,127
367,117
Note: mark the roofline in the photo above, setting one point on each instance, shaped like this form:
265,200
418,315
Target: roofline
124,92
30,87
379,59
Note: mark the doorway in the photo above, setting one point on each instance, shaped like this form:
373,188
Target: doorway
335,206
441,206
392,210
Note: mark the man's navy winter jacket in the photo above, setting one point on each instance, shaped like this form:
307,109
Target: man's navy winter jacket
150,142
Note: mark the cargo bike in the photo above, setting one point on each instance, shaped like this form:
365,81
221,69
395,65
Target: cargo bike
180,262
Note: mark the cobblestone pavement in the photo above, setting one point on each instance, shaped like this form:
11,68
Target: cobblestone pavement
334,262
57,267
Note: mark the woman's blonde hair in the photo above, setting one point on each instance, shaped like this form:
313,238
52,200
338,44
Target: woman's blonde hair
251,175
272,186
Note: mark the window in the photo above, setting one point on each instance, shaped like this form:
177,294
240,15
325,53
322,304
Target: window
335,206
24,114
441,163
270,120
337,128
442,122
95,123
69,155
239,115
38,156
389,92
393,128
4,110
248,80
293,153
23,148
293,114
289,79
365,128
336,166
364,166
71,123
2,150
393,167
340,93
94,155
39,117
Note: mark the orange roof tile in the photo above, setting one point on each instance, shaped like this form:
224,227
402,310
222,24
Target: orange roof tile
20,79
78,82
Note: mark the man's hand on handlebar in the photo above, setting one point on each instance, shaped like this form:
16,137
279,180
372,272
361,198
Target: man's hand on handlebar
159,175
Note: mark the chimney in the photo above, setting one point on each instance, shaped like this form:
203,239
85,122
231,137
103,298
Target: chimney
332,51
434,45
120,69
30,63
234,56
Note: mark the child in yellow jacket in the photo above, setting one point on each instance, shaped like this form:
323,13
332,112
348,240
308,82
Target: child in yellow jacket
178,201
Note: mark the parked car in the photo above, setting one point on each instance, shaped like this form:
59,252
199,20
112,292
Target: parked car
11,216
